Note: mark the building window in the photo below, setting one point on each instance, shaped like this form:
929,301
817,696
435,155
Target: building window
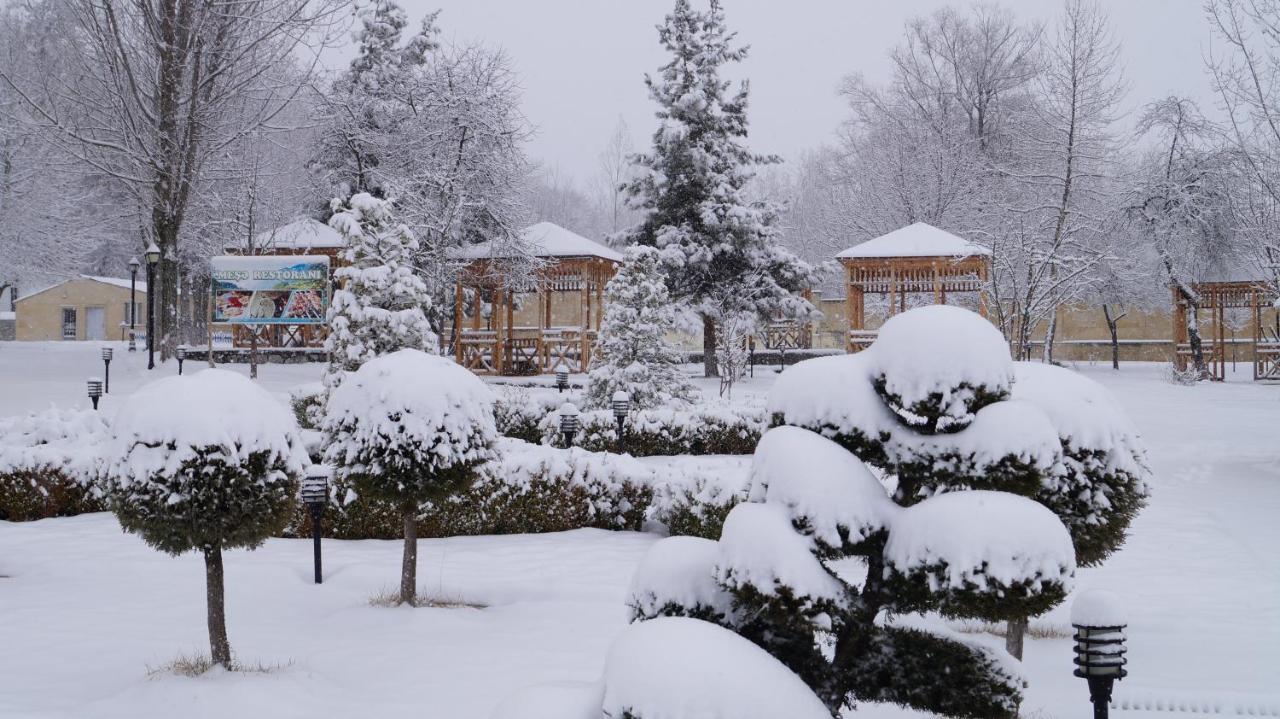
68,323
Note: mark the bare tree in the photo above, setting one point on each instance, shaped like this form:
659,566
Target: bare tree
615,170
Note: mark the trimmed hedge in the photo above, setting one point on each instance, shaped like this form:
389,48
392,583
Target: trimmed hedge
50,464
701,429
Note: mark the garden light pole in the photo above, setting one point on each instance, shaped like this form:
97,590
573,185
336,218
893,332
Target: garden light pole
153,258
562,379
1099,620
106,365
181,354
133,301
568,423
315,493
95,391
621,405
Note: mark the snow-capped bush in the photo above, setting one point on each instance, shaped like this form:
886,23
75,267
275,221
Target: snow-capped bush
206,461
633,354
946,524
519,411
409,428
667,431
50,464
694,508
307,403
677,578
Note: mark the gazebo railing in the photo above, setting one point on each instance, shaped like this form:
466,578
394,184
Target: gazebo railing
527,351
861,339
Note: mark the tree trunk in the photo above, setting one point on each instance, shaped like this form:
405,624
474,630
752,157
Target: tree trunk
219,647
709,368
1193,337
1015,633
253,352
1050,333
409,567
1112,321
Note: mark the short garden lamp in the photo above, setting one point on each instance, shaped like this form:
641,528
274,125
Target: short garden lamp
621,405
1099,619
106,365
181,354
315,494
562,378
95,391
568,422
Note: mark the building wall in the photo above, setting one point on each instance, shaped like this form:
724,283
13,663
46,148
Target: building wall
39,316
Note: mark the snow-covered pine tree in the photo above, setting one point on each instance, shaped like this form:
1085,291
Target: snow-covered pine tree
996,488
381,305
633,353
690,186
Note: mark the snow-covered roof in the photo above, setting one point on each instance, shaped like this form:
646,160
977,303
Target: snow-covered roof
116,281
548,239
916,240
303,233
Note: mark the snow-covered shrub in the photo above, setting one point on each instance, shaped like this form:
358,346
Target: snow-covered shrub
307,403
382,303
519,411
696,508
409,428
50,464
947,522
668,431
206,461
633,353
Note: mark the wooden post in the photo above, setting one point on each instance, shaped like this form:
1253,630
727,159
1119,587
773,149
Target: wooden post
938,298
457,321
509,298
852,321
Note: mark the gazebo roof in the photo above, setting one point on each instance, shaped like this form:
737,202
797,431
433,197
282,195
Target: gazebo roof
916,240
547,240
303,233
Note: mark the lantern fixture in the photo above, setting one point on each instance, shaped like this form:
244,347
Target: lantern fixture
568,422
562,378
181,354
95,390
1099,619
106,365
621,406
315,494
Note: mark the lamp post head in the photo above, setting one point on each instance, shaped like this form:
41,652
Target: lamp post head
621,404
152,254
315,484
95,387
180,353
1099,619
568,420
562,377
134,264
107,352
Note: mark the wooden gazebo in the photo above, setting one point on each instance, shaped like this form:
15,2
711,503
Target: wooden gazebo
545,322
1215,298
916,259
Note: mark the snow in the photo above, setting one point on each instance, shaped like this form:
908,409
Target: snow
167,422
407,401
71,440
821,483
832,393
760,548
680,571
123,282
915,240
553,700
935,350
303,233
679,668
546,239
974,536
1099,608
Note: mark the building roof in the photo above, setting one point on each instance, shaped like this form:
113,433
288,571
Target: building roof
116,281
917,240
303,233
547,240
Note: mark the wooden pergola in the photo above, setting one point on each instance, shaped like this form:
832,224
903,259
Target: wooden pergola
1215,298
547,321
918,259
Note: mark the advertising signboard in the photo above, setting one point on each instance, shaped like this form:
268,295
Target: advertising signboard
270,289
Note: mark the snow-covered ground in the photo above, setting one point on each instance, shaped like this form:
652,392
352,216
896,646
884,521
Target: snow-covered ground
86,609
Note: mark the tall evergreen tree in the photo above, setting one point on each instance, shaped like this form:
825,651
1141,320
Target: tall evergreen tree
382,305
691,185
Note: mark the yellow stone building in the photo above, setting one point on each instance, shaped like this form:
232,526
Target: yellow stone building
84,308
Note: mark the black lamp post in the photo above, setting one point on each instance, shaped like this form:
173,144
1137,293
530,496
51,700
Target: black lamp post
568,423
621,405
133,300
1099,620
95,391
153,258
106,365
315,493
181,354
562,379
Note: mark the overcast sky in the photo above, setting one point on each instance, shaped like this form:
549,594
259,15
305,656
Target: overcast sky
583,61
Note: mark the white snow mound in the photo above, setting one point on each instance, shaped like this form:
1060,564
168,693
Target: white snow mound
820,482
760,548
681,571
833,393
552,700
982,536
999,430
679,668
1099,608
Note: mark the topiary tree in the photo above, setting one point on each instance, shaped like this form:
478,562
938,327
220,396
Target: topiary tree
633,353
382,304
205,462
954,528
409,428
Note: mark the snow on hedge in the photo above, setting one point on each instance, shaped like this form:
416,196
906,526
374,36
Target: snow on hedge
552,700
410,403
679,668
1009,429
679,571
760,548
172,420
832,395
67,440
976,537
1099,608
822,484
977,360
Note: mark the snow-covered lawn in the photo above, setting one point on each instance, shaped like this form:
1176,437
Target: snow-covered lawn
86,609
